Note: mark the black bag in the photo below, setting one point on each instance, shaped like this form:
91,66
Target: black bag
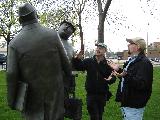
73,108
73,105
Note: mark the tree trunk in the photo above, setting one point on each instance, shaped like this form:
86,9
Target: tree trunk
8,39
101,32
102,16
81,33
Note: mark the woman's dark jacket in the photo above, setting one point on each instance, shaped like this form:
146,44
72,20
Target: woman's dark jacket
137,85
96,72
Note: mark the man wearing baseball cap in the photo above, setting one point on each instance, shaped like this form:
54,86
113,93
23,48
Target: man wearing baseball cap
140,42
99,77
135,86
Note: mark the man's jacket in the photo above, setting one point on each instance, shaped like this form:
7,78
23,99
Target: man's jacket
137,86
96,72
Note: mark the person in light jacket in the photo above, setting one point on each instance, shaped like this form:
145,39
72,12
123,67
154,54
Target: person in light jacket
136,77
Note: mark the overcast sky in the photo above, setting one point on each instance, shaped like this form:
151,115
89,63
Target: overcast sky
136,17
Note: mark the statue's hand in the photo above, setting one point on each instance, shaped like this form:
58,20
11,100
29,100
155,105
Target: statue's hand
80,55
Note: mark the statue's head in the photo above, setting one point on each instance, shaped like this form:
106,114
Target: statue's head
66,29
26,12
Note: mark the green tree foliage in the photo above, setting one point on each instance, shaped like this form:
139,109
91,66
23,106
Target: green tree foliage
8,19
51,13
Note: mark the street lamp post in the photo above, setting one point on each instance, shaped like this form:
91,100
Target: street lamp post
147,40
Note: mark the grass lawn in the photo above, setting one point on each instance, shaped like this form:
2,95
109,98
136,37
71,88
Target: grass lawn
112,111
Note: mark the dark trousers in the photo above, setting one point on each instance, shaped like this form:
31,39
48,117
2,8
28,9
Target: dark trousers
95,106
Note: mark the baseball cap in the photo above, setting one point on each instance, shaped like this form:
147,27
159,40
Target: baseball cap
101,45
138,41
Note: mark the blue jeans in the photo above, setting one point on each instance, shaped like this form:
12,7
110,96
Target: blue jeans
132,113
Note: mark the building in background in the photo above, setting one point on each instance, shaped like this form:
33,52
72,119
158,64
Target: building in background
153,52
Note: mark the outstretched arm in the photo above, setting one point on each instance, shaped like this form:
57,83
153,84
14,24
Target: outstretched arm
78,62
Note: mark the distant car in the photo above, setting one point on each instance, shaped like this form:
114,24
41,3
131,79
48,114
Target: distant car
151,59
119,58
3,59
156,60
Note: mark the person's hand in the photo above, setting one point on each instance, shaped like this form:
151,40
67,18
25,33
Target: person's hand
80,55
110,77
122,74
113,65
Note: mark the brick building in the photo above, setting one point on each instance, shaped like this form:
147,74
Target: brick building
153,52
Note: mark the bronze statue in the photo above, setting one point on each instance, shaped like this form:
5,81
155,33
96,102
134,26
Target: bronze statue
37,57
66,29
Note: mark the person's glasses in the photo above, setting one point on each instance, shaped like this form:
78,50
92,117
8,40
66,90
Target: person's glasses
132,43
